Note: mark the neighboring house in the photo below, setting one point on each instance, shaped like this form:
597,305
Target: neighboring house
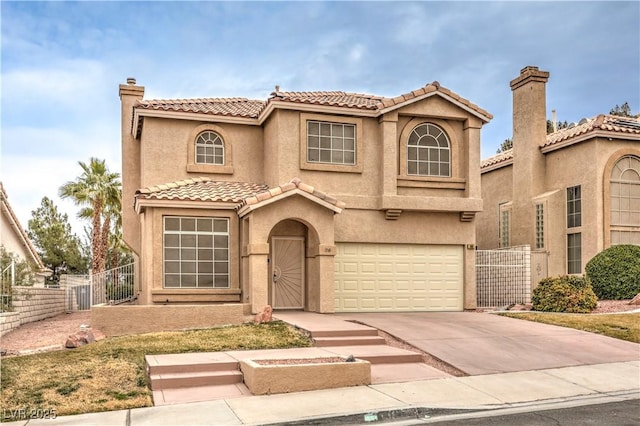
572,193
323,201
15,240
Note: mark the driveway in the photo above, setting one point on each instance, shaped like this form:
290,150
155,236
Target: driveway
482,343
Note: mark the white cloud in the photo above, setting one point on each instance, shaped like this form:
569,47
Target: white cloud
65,82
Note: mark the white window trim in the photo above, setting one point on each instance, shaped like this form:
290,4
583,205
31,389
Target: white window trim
429,162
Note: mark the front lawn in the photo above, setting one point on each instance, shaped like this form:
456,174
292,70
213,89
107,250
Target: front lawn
619,326
110,374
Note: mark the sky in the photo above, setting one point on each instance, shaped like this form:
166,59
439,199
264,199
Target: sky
62,62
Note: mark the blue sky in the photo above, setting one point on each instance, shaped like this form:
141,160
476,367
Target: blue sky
62,63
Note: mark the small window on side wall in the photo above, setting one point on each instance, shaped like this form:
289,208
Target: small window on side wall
428,152
209,148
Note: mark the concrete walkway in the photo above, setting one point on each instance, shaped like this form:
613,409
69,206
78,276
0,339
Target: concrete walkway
542,389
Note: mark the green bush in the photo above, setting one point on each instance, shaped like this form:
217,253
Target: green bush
615,272
568,293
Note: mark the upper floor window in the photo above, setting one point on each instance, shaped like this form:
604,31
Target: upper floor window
331,143
574,207
625,201
428,152
209,148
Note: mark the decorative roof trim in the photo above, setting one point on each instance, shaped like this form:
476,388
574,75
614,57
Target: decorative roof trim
325,109
141,204
610,134
498,161
482,116
293,187
139,114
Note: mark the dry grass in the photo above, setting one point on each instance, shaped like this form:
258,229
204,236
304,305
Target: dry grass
110,374
619,326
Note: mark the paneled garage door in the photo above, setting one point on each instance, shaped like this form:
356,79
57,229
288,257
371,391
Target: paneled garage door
398,277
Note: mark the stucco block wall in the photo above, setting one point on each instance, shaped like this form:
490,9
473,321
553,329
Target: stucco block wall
164,148
123,320
33,304
497,188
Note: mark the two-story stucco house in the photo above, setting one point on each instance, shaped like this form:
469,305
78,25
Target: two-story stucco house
322,201
572,193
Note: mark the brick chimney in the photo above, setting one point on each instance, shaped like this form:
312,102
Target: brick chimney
529,133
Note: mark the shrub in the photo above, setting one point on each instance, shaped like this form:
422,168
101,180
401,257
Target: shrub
568,293
615,272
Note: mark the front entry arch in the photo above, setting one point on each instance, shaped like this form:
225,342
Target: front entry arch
287,272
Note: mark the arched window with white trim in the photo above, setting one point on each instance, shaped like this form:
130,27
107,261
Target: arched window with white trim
428,151
209,148
625,201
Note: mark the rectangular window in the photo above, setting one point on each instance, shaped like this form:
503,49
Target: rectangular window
574,207
539,226
574,253
504,228
331,143
196,252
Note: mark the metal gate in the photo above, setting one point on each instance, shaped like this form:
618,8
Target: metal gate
114,286
503,277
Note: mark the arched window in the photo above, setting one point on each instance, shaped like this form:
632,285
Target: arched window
428,151
625,201
209,148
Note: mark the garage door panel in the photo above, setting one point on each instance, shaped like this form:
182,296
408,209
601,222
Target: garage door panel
398,277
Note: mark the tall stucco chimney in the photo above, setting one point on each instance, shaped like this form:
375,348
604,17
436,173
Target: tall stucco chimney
529,134
129,95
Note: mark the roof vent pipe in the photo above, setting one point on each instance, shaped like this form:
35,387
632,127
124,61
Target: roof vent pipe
554,120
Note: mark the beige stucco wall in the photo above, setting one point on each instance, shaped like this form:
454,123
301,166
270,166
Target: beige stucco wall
583,164
497,188
123,320
10,239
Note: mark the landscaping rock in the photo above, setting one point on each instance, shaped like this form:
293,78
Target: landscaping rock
265,315
81,338
635,300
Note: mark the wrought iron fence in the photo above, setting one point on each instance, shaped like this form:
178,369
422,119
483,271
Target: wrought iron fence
114,286
503,277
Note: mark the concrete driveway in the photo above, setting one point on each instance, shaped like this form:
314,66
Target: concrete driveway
482,343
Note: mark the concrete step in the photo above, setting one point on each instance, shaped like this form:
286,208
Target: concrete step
190,379
376,354
199,394
348,341
361,331
192,368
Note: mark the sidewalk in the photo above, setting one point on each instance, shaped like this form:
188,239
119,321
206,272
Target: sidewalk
421,401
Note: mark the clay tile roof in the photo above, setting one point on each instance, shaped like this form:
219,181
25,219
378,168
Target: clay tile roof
332,98
235,107
500,158
611,123
293,184
201,189
246,108
429,88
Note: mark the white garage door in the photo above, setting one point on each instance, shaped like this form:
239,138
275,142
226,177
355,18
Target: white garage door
398,277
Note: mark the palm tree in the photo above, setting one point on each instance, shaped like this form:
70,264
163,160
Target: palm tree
98,191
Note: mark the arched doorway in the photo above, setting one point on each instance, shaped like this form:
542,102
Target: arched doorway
287,265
